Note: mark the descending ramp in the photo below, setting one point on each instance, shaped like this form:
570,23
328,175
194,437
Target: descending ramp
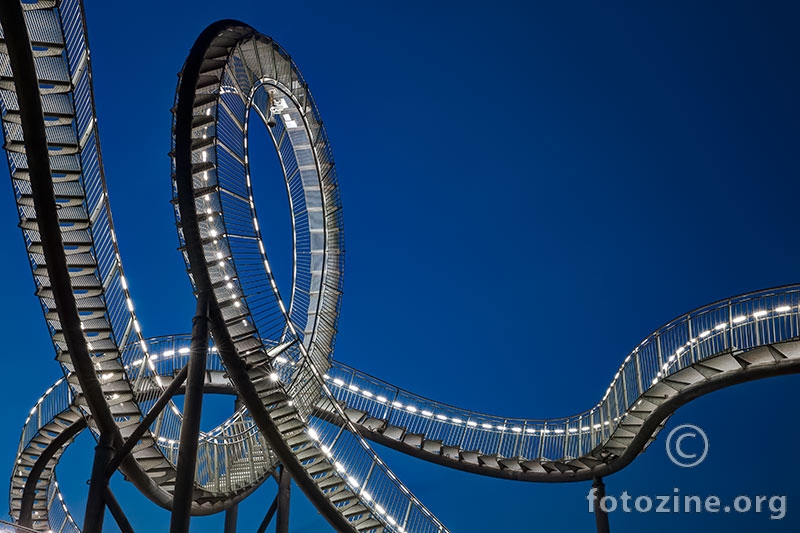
740,339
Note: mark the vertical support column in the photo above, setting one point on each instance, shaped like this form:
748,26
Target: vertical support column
96,503
284,492
190,429
231,516
600,516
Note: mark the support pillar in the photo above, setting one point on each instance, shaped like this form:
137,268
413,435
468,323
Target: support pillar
190,429
600,516
284,492
96,503
231,517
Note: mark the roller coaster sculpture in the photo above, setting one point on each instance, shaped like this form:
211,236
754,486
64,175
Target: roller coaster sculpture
301,414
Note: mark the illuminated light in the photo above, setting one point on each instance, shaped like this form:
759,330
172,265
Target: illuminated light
169,353
183,351
213,232
441,417
382,399
597,426
397,404
671,358
339,467
274,377
530,431
380,509
705,333
426,413
313,434
722,326
325,376
208,210
353,482
220,255
353,388
559,431
366,496
136,326
486,426
472,424
229,285
391,520
781,309
457,421
338,381
740,318
367,393
411,409
114,396
573,430
107,375
125,283
244,322
516,429
281,359
237,304
654,381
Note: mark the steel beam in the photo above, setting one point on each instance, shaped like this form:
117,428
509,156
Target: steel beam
268,517
148,419
116,512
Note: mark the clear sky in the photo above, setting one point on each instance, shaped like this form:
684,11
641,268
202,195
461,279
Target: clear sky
529,191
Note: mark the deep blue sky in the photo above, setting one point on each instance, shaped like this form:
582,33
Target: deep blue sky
528,192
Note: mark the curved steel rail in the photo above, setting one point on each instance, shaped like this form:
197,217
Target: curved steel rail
52,144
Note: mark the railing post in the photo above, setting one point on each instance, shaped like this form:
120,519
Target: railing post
730,326
638,368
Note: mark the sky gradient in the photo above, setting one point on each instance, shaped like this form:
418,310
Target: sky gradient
528,192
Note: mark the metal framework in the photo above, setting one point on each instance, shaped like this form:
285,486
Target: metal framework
299,414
